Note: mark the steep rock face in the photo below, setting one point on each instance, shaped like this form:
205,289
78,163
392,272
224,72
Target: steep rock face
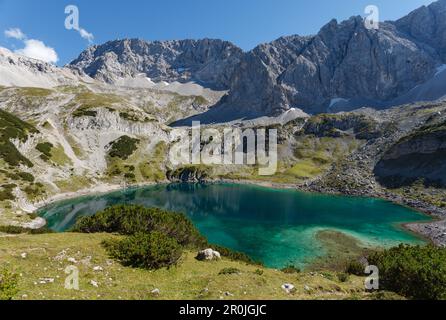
422,155
345,60
427,25
207,61
343,67
255,85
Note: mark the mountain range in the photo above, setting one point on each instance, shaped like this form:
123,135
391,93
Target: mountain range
343,67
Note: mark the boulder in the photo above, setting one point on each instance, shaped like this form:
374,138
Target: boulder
208,255
288,287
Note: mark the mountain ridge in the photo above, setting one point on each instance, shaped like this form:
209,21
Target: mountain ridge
208,60
343,67
21,71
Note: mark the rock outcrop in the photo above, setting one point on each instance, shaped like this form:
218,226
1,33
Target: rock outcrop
208,255
194,174
421,155
206,61
334,125
427,25
344,64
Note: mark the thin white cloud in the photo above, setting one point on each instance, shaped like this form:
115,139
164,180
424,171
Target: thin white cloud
36,49
86,35
15,33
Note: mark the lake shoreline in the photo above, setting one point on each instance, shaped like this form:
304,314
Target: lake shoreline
433,231
428,230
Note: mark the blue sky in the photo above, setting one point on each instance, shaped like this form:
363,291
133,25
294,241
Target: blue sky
243,22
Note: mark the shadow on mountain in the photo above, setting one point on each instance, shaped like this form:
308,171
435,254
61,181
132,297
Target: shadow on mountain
220,113
408,169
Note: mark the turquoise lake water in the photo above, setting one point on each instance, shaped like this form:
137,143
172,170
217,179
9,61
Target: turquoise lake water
277,227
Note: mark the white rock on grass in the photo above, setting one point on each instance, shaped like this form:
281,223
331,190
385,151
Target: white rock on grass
46,280
208,255
288,287
86,261
94,283
61,255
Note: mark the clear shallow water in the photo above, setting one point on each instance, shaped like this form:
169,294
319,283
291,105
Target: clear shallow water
277,227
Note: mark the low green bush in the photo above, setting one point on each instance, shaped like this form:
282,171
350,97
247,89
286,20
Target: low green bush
25,176
8,284
234,255
259,272
21,230
45,148
229,271
84,112
12,156
343,277
6,192
130,176
12,127
386,296
152,250
133,117
290,269
131,219
34,190
123,147
355,268
327,275
413,271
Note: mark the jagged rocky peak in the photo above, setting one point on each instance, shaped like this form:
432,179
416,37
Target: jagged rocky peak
207,61
343,67
344,62
427,24
255,83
